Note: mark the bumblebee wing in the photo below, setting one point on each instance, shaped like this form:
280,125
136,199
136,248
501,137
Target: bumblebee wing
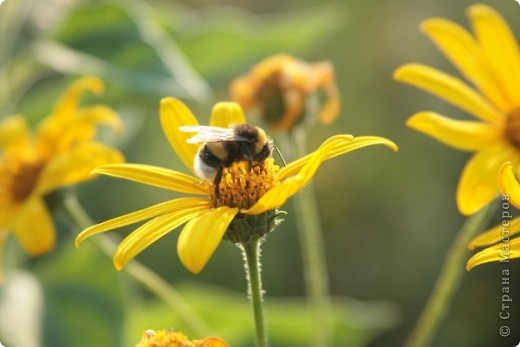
211,134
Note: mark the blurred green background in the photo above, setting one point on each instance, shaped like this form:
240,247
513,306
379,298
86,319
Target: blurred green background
388,218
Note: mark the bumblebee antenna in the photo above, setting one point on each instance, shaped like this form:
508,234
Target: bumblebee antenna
280,155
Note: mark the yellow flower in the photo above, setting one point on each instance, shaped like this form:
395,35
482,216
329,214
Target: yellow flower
279,87
61,153
509,247
490,61
164,338
244,192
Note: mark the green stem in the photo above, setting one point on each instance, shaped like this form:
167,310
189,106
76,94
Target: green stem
313,254
449,279
251,252
73,210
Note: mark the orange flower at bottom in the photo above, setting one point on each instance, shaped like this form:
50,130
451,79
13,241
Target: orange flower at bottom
164,338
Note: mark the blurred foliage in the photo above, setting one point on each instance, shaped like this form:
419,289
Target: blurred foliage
389,218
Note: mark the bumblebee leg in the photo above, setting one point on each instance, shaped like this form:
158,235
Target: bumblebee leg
216,181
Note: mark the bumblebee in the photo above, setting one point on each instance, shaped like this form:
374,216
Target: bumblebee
224,146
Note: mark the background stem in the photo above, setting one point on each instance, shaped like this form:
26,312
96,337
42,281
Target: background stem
313,252
449,279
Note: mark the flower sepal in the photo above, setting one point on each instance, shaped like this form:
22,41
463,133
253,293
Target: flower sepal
246,227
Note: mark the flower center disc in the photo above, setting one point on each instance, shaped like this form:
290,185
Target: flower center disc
20,177
513,127
242,186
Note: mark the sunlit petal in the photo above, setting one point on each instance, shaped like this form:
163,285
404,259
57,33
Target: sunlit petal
468,56
450,89
277,196
335,146
201,236
13,131
510,184
67,104
171,206
154,176
500,46
478,184
150,232
175,114
34,228
496,253
463,135
225,114
75,165
506,229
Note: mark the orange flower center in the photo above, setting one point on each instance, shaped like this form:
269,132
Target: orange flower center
19,176
242,186
513,127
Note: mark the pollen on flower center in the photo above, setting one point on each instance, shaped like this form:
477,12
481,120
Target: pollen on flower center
19,177
512,128
242,186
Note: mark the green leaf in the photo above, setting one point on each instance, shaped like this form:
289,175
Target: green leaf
224,38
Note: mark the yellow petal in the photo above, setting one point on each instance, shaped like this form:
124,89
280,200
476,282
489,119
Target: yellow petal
509,184
201,236
336,145
175,114
450,89
98,114
276,196
155,176
140,215
68,103
468,56
503,252
13,131
74,166
478,184
506,229
298,173
34,228
463,135
501,48
225,114
150,232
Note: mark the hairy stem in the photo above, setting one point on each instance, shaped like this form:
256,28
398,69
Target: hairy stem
251,252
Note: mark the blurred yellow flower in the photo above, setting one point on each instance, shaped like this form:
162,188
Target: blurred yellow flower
490,60
164,338
279,87
244,192
62,152
509,247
